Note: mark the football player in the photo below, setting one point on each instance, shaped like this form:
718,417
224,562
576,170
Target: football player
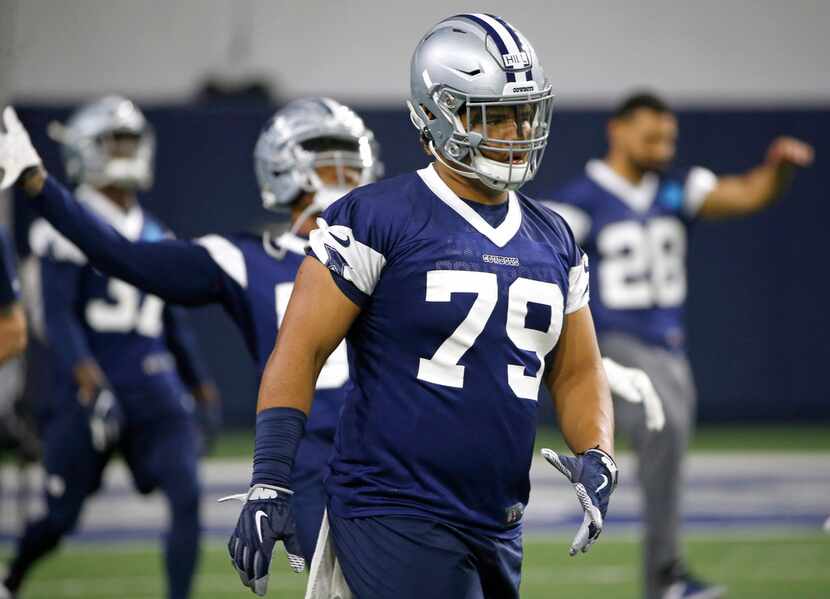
310,153
124,361
459,298
631,212
12,319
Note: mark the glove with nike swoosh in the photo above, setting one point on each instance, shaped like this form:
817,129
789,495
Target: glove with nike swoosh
266,518
267,515
594,477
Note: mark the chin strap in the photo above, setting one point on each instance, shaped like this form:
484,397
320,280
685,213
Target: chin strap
275,249
307,212
320,202
498,185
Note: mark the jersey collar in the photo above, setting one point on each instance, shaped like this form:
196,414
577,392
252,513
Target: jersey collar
500,235
129,223
637,197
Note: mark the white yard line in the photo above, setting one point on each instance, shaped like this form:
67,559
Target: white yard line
733,492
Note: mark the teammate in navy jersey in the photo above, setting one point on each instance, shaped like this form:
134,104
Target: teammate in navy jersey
310,153
631,212
452,291
12,319
125,364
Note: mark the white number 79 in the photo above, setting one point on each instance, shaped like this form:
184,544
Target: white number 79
443,368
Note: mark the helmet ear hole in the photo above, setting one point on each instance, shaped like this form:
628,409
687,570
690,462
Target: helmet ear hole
427,112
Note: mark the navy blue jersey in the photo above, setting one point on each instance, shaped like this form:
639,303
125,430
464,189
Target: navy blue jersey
635,237
458,323
9,283
250,276
259,273
89,315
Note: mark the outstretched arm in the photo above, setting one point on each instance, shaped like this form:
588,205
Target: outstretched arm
739,195
157,267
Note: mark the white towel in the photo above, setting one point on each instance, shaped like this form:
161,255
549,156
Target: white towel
326,581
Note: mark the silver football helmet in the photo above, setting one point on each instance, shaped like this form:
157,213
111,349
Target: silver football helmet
481,99
306,134
107,142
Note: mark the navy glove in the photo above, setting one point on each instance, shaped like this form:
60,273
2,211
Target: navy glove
266,518
106,419
594,477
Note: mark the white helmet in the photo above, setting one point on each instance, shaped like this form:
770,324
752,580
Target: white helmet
308,133
469,73
89,141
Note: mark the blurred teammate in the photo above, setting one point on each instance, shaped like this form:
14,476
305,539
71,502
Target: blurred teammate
12,319
631,211
123,358
453,291
310,153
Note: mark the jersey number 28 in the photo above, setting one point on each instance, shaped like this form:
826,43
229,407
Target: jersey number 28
642,265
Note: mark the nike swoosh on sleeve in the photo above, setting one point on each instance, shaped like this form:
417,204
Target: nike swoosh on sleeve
344,242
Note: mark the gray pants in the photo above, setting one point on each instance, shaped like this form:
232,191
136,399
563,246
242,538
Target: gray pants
660,454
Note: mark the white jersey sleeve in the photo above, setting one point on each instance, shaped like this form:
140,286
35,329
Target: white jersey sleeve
699,183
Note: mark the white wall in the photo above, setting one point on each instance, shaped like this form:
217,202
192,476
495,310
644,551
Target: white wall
703,51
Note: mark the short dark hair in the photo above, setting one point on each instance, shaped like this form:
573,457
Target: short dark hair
638,100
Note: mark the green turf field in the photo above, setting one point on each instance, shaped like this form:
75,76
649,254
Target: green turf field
757,567
760,566
234,444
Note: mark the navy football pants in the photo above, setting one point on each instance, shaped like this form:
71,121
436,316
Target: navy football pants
400,557
161,454
309,499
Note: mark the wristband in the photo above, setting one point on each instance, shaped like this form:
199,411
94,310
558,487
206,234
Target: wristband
278,434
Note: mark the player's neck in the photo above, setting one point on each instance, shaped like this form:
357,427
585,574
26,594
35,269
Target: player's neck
122,198
469,189
624,168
